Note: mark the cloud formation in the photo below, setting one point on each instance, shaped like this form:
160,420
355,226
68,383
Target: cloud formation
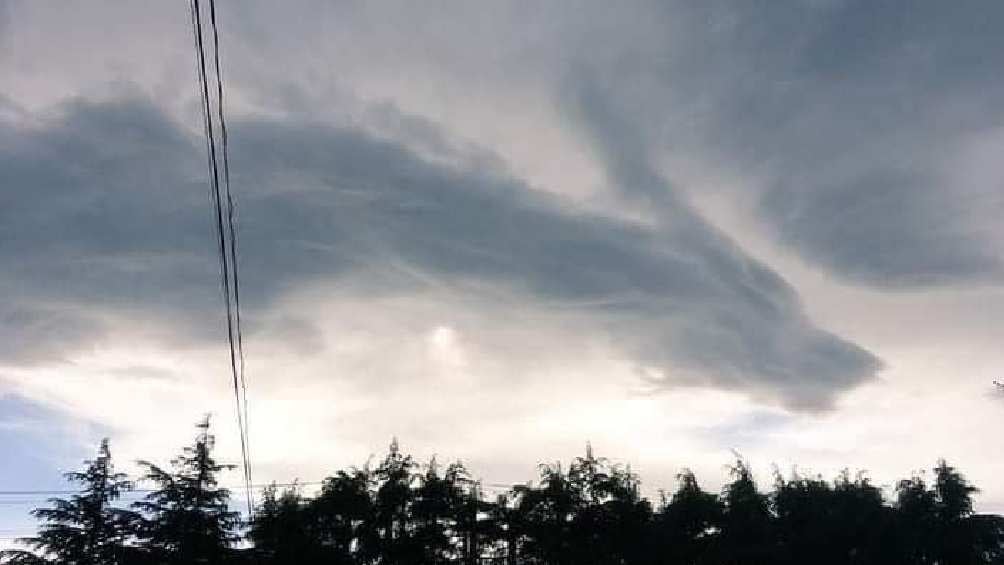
847,122
124,227
537,210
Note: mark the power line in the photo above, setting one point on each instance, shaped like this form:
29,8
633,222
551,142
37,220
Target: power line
233,487
147,490
226,245
232,226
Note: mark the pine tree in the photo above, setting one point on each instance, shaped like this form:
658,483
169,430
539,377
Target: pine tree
688,523
342,519
916,521
960,538
187,518
591,514
745,537
392,504
546,516
283,530
440,512
84,529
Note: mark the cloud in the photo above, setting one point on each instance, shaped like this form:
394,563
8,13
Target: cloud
846,121
123,232
866,147
807,102
738,296
98,218
884,227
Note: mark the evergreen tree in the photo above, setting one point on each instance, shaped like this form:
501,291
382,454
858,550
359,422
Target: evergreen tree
187,518
546,515
960,537
591,514
503,528
916,521
84,529
687,525
343,519
803,509
611,519
392,504
468,527
432,512
282,531
443,514
859,521
746,524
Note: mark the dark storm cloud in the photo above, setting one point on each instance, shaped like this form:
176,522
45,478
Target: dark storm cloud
98,212
850,113
885,95
853,113
884,227
107,210
737,294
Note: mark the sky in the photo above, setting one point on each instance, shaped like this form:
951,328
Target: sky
498,231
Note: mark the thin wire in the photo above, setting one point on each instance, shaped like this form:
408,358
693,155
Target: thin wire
143,490
233,487
221,235
231,224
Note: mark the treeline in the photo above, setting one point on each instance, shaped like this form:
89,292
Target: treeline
588,512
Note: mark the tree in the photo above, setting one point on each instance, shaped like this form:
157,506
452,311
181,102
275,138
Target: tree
746,524
187,517
85,529
591,514
343,520
916,521
687,524
611,520
392,505
468,506
859,521
546,515
960,537
282,530
444,515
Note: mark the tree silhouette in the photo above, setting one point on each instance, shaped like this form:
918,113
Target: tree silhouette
187,519
593,513
687,525
437,503
588,512
916,520
746,537
546,517
859,521
84,529
285,531
612,516
392,501
960,537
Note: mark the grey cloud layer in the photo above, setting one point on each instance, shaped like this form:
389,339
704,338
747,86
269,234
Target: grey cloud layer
850,113
843,118
739,292
106,211
878,101
843,115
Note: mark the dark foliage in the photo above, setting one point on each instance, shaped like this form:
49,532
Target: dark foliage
84,529
186,518
588,513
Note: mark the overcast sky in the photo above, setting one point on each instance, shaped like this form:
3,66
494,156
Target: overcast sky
498,231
